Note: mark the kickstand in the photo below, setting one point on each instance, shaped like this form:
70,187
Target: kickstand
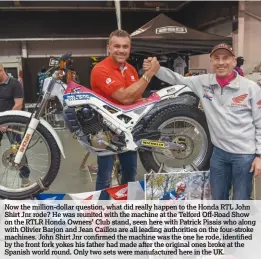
160,168
153,172
194,167
84,160
150,173
83,165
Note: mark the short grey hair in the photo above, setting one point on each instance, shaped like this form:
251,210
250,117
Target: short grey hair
1,66
119,33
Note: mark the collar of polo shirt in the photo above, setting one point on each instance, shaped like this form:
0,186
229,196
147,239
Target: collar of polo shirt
6,81
114,64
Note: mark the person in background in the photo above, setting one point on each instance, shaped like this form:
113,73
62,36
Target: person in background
40,80
75,77
11,98
115,79
240,62
177,194
232,105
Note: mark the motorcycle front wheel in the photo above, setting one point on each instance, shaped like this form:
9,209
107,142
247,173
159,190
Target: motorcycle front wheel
38,167
176,123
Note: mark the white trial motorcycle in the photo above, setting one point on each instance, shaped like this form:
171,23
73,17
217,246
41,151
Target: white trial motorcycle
158,127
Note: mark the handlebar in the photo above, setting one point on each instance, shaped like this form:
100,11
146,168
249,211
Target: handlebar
50,69
65,57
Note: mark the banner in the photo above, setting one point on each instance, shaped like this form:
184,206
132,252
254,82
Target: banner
130,191
118,192
50,196
142,183
136,191
85,195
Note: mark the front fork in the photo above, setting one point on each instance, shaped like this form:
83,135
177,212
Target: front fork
35,119
26,139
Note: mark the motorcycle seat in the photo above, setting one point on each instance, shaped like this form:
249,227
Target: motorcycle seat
138,104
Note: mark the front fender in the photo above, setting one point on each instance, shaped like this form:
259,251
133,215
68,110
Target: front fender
42,121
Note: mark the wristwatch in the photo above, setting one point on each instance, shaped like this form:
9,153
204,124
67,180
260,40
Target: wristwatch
258,155
146,78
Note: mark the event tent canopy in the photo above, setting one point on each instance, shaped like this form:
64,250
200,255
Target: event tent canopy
162,35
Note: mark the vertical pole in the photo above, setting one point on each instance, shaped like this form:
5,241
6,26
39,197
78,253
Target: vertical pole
24,49
241,28
118,13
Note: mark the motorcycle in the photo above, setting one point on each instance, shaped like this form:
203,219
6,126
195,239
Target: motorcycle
160,126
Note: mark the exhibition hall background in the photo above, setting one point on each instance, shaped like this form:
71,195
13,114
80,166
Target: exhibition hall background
33,31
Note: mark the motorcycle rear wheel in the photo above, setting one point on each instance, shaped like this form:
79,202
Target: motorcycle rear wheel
33,190
190,114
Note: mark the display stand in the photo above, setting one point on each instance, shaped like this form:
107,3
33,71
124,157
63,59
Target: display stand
92,176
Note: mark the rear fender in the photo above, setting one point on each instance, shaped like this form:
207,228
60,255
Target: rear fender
183,99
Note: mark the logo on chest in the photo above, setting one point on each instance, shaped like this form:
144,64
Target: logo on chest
209,88
259,104
238,101
108,81
208,97
133,78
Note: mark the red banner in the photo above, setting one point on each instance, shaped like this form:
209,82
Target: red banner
118,192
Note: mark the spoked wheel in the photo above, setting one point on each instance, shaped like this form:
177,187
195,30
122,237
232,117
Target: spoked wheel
185,125
190,133
38,167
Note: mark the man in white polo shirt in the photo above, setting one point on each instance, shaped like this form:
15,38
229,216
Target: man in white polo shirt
232,106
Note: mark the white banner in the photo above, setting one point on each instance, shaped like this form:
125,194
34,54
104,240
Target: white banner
135,191
85,195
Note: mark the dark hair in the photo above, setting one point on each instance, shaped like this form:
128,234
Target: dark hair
240,61
119,33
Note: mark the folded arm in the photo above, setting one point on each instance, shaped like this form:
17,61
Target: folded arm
113,87
132,93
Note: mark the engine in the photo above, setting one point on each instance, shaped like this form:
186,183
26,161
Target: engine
95,130
93,127
90,121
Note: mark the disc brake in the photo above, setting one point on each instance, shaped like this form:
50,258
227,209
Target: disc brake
165,152
9,156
